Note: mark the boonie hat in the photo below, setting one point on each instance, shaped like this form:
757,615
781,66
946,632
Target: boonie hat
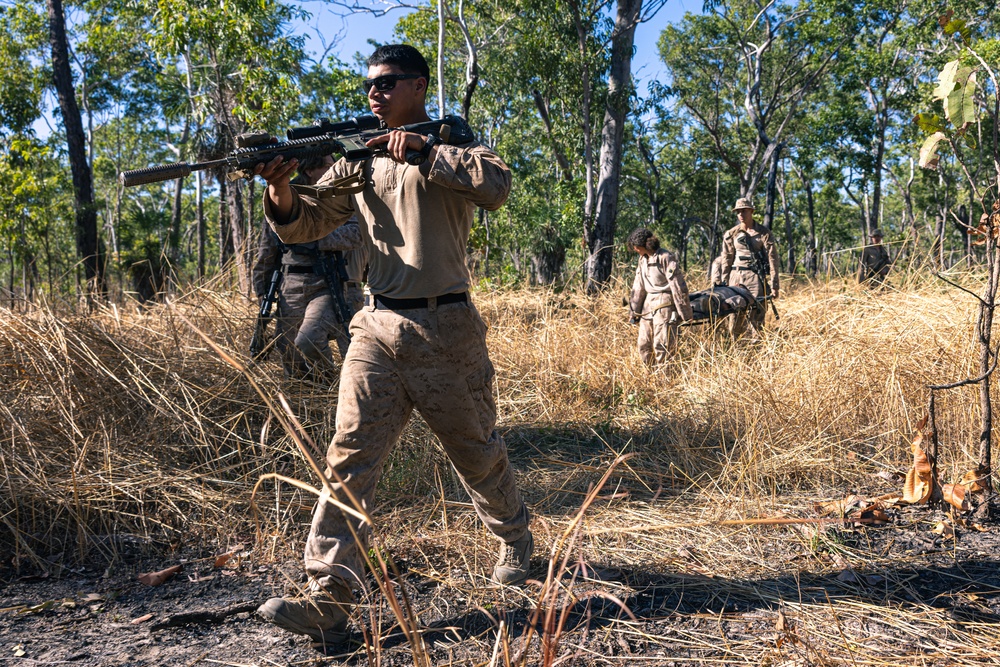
743,202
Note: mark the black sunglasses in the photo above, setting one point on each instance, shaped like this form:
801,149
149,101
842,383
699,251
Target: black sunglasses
386,82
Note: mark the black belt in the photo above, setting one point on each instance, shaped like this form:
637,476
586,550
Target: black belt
353,283
298,268
387,303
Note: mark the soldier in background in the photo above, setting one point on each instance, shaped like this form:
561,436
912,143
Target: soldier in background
715,273
357,266
875,262
740,246
307,309
659,298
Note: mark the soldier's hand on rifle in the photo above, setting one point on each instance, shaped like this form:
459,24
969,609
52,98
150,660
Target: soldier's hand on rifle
277,173
398,142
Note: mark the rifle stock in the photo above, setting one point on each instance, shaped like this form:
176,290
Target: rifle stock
347,138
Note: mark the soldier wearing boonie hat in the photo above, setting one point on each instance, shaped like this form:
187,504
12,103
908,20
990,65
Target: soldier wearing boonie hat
739,244
875,262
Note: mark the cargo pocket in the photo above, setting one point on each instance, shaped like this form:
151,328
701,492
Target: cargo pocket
481,388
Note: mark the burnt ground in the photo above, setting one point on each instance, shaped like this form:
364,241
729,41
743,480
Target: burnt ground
912,598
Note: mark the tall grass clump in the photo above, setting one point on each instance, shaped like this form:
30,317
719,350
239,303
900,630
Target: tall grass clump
124,428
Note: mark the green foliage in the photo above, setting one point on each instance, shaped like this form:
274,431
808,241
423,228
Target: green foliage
23,33
956,91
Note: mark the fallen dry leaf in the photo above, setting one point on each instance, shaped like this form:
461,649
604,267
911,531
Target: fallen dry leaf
945,530
971,481
222,559
157,578
873,515
954,494
919,484
782,624
141,619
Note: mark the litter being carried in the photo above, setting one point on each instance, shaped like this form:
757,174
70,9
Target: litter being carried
710,305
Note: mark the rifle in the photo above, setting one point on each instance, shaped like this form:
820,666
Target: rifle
346,138
760,265
333,268
258,344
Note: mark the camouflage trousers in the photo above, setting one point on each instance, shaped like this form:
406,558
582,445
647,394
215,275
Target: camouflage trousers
307,319
657,337
355,296
753,316
435,360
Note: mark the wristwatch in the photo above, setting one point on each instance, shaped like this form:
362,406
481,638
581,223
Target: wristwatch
429,143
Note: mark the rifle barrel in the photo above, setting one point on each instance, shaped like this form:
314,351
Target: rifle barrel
163,172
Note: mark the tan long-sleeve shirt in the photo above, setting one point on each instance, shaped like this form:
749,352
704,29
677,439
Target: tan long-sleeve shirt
415,220
659,284
737,256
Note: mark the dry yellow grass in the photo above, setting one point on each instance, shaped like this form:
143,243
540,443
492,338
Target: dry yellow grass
126,423
125,427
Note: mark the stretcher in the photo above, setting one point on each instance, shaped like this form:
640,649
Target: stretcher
714,303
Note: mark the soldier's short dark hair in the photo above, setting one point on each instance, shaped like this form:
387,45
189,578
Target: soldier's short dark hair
643,238
403,56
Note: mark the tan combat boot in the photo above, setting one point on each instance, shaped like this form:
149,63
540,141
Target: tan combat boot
512,565
322,616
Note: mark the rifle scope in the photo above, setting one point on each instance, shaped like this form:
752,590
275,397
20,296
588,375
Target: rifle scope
324,126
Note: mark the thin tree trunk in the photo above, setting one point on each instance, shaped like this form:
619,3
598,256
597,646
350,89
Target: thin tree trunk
582,34
602,242
200,224
440,58
986,309
788,223
87,242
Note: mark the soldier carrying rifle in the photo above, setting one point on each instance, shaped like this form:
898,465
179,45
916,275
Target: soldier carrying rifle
311,301
750,259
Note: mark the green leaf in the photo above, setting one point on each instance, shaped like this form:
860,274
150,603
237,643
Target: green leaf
960,106
970,140
928,152
929,122
959,26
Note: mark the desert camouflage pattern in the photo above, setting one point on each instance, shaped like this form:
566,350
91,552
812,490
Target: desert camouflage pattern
306,317
416,223
660,299
715,273
357,262
736,271
415,219
435,360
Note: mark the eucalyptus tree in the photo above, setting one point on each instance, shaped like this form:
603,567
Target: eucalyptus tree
242,66
87,240
742,70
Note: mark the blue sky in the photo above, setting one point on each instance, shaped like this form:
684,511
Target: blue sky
345,35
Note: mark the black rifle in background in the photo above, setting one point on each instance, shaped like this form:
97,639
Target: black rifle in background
346,138
760,265
258,342
333,267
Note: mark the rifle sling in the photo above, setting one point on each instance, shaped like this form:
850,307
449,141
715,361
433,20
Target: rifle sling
351,184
